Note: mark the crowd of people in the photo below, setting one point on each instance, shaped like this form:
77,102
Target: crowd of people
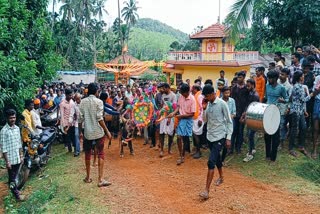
212,114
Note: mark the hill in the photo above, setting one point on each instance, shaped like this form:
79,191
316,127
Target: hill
148,45
157,26
151,39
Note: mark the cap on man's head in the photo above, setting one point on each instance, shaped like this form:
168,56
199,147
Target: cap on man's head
36,101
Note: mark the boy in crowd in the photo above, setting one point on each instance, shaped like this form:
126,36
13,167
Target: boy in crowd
167,125
218,134
253,97
232,110
275,94
95,132
11,147
283,107
260,82
186,108
222,78
221,84
239,93
197,120
68,120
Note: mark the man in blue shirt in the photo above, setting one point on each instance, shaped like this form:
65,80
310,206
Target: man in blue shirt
275,94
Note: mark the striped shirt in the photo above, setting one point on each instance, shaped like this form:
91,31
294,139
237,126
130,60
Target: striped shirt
10,143
67,113
91,112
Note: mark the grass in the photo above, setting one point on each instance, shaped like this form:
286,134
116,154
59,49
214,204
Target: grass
299,175
60,190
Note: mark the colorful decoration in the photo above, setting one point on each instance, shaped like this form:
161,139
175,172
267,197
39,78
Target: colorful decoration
167,108
142,113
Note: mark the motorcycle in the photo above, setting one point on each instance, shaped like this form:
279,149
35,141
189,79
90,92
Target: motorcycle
36,154
49,118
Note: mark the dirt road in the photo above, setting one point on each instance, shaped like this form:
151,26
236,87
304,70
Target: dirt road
145,183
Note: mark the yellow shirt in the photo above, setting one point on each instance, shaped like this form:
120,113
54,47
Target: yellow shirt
27,122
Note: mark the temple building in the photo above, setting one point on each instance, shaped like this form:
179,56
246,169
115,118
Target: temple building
216,53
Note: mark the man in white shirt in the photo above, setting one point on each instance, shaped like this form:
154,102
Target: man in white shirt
222,73
51,96
35,114
202,84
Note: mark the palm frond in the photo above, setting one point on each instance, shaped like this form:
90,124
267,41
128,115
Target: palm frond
239,17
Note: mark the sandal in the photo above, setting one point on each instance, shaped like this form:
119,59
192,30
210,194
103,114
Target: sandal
86,180
104,183
204,195
219,181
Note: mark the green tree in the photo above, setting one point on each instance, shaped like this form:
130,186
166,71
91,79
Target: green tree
67,10
291,19
176,46
130,14
79,32
27,56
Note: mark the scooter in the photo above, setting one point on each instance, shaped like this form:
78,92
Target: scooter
36,154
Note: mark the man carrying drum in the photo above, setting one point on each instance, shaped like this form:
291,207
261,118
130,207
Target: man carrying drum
275,94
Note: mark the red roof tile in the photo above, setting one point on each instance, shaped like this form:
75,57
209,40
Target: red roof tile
214,31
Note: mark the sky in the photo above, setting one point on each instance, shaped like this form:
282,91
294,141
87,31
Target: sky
184,15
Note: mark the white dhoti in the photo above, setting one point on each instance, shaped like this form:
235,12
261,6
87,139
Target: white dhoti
166,128
197,130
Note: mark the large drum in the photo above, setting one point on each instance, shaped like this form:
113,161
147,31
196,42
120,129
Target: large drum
265,117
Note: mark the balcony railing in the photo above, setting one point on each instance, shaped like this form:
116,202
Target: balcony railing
213,57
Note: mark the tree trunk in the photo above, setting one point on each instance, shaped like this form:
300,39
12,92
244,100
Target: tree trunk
53,15
95,50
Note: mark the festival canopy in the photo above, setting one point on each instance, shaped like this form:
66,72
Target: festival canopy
127,66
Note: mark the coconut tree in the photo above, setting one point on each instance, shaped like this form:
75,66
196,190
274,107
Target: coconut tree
99,9
54,2
240,15
67,10
130,14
